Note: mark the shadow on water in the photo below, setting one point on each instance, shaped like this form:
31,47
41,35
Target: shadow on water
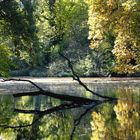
47,118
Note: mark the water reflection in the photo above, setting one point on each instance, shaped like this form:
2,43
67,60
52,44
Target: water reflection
119,121
104,121
116,122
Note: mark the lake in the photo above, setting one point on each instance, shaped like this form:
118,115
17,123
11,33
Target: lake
45,118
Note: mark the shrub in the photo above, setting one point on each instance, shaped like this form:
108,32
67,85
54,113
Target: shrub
59,68
84,67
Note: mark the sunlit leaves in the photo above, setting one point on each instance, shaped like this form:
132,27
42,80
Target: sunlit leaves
121,18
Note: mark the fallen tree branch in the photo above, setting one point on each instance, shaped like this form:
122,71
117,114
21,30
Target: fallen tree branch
63,97
75,101
77,78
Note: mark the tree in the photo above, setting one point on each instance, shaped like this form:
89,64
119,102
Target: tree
19,25
120,19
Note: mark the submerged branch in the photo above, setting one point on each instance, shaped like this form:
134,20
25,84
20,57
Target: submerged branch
51,110
63,97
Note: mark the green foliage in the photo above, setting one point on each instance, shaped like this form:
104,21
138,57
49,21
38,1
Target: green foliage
70,18
19,26
5,60
103,60
37,30
84,67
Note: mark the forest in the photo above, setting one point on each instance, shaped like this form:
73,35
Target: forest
99,37
60,39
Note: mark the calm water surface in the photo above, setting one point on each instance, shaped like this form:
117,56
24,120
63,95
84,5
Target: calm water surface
118,120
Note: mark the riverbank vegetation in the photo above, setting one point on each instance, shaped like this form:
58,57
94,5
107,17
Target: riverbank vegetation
100,37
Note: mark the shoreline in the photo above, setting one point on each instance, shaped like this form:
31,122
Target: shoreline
59,85
67,80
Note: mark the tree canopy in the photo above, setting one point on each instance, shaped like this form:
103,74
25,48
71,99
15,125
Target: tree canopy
36,30
119,19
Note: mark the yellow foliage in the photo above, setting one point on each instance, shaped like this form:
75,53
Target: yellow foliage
128,117
121,19
98,127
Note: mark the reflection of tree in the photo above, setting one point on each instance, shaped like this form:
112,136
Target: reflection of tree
10,118
128,120
98,127
6,107
56,126
45,124
101,122
118,124
50,123
6,115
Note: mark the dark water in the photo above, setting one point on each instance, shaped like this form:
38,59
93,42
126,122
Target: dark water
118,120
